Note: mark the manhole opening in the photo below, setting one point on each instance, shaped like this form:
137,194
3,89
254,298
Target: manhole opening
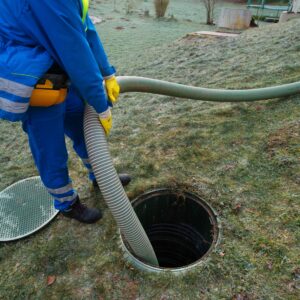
181,226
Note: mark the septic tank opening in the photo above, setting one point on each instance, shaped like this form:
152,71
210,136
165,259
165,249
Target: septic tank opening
181,226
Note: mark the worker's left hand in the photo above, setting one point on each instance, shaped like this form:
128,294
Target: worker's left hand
112,88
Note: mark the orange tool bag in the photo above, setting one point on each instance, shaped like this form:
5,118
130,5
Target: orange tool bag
50,90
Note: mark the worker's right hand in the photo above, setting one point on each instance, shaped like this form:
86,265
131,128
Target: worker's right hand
105,119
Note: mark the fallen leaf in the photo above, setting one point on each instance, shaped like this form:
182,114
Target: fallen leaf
291,286
237,208
240,297
229,167
51,280
296,273
222,254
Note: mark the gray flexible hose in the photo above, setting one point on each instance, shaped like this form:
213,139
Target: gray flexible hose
112,189
154,86
106,175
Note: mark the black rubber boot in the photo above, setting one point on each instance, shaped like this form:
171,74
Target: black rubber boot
124,178
81,213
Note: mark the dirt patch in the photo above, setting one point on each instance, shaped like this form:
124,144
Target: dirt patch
283,138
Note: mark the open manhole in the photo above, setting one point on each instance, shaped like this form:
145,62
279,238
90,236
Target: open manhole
182,228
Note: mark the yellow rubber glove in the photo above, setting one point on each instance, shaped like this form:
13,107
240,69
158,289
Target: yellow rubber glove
112,88
105,119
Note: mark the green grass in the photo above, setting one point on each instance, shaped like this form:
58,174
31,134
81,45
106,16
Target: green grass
243,158
126,36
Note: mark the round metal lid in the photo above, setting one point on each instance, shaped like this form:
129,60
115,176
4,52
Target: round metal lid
25,207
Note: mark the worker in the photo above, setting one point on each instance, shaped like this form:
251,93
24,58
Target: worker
51,62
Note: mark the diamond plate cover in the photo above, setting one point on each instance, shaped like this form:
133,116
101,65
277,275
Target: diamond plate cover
25,207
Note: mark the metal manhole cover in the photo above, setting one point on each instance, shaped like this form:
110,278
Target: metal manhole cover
25,207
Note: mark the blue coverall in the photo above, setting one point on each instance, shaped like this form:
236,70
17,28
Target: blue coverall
33,35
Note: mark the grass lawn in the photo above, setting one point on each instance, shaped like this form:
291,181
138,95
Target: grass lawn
244,159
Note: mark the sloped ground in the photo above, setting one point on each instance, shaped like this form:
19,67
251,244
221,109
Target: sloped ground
243,158
126,36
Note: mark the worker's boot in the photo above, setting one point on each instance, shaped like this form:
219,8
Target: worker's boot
124,178
81,213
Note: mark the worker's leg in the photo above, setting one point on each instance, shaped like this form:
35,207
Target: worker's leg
45,129
74,128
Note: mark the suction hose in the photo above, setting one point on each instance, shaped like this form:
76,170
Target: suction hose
153,86
112,189
106,175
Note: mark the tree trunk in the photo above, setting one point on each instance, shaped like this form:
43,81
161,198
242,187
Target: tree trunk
209,7
161,7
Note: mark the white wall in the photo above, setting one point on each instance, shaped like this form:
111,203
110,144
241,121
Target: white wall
296,6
